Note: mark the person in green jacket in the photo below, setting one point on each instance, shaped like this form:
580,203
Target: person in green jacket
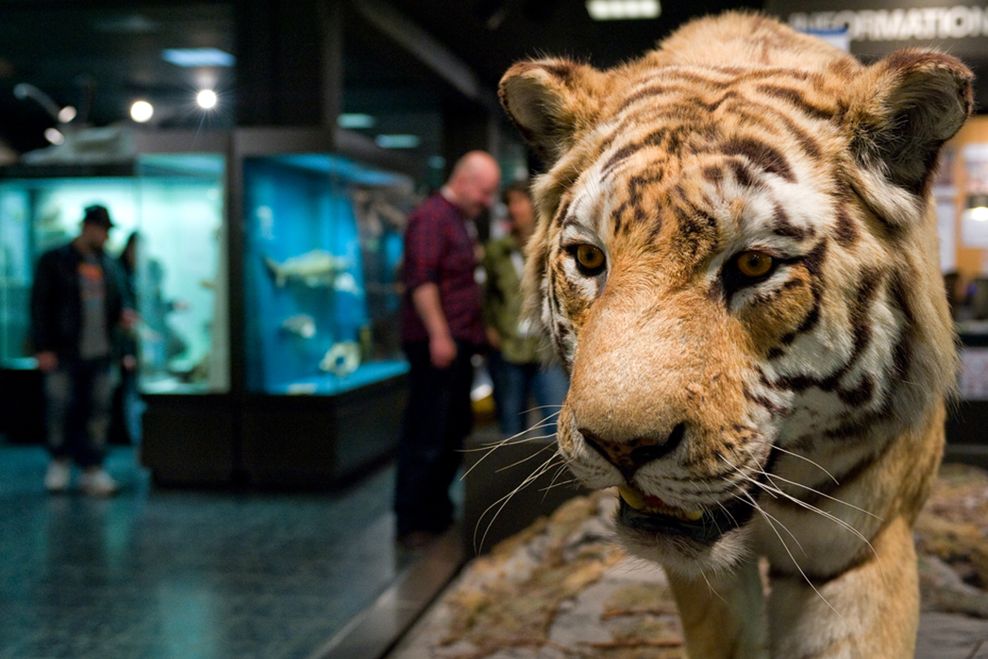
516,370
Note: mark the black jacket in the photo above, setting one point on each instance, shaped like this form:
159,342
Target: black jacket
56,304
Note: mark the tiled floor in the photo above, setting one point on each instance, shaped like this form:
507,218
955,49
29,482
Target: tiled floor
160,573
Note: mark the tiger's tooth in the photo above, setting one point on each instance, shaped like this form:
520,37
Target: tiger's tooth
632,497
693,515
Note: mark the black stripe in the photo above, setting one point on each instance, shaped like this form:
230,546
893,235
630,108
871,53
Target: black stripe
773,408
648,92
861,328
669,138
796,97
694,226
809,145
563,211
713,174
746,75
760,154
814,265
783,227
845,231
618,156
741,173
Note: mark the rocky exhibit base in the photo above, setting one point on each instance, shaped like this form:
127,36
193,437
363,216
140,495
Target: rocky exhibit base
562,588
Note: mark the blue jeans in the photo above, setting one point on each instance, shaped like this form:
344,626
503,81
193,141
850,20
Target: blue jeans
78,397
515,384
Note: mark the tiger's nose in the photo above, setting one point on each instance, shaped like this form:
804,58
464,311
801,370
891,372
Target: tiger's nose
628,455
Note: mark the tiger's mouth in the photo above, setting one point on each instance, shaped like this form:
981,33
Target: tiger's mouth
649,514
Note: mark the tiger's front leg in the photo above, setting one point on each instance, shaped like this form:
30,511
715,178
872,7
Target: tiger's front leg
871,610
723,616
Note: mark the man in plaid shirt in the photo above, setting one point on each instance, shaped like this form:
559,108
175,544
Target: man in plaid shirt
442,326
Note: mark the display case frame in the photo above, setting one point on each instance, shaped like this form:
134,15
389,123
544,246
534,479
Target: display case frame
259,439
191,439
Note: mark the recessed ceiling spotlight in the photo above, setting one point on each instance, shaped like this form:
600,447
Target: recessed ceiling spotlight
206,99
141,111
54,136
623,10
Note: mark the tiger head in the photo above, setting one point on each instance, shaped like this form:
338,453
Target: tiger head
735,260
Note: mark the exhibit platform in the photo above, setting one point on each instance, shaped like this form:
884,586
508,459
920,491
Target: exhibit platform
563,588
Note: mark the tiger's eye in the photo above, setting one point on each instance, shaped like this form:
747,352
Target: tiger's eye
589,258
754,264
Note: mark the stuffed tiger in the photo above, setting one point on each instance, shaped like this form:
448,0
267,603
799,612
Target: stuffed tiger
736,259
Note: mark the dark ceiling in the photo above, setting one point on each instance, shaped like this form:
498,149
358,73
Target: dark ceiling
100,55
492,34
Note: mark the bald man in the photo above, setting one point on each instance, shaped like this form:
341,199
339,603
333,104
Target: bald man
442,327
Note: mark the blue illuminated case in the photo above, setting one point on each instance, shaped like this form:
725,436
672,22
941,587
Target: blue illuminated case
322,250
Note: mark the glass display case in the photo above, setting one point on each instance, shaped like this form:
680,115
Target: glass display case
181,274
38,214
322,249
175,204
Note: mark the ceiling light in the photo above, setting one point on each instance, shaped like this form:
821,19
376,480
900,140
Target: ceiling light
198,57
398,141
141,111
355,120
623,10
67,114
54,136
207,99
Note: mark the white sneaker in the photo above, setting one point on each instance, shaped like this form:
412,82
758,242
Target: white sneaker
97,483
58,476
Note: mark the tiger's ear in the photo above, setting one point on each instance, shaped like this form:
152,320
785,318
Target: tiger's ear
551,101
901,111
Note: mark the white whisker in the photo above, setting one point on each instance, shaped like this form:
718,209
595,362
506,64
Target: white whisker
526,459
776,492
822,494
531,478
712,589
560,470
754,504
558,408
803,457
496,446
505,442
793,558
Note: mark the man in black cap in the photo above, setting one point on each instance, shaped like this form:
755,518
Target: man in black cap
78,303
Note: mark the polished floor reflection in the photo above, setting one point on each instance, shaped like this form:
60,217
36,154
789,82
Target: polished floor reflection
160,573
